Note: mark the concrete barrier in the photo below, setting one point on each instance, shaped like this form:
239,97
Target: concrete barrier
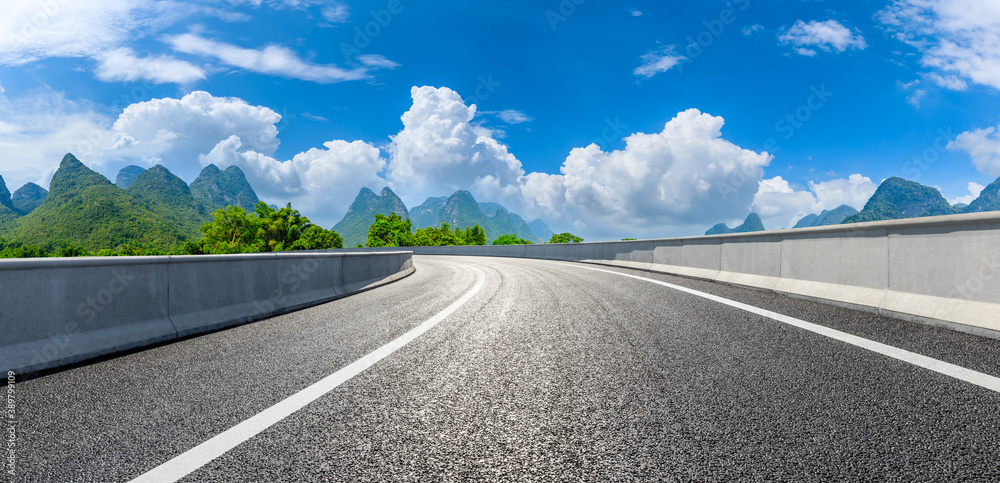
942,270
55,312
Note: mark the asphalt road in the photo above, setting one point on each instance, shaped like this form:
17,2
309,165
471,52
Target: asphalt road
550,372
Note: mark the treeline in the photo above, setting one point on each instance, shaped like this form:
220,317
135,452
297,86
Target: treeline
234,230
394,231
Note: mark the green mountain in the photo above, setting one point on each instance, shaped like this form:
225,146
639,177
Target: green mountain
170,197
541,230
216,189
354,227
83,207
7,212
898,198
503,222
29,197
427,214
128,175
751,224
835,216
989,199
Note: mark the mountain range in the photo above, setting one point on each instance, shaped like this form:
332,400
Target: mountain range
751,224
458,210
155,209
895,198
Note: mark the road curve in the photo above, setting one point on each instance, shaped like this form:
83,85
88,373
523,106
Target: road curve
549,371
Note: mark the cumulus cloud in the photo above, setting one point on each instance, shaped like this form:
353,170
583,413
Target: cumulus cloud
321,183
975,189
439,150
983,146
780,205
271,60
123,65
657,61
958,39
176,131
828,36
682,175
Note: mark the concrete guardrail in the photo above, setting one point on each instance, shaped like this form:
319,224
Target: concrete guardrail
55,312
942,270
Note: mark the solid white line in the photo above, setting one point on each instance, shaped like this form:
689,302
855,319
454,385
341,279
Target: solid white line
958,372
200,455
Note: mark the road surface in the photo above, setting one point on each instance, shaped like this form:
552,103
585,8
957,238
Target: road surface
529,370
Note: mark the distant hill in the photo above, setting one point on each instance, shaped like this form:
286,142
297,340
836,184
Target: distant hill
751,224
170,197
354,227
541,230
898,198
427,213
462,210
29,197
216,189
83,207
835,216
988,200
7,212
128,175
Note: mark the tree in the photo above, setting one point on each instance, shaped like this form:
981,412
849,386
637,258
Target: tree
565,238
316,238
510,239
390,231
232,230
437,237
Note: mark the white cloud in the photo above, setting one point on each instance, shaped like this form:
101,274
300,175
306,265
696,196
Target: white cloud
975,189
271,60
657,61
780,205
439,150
336,13
320,183
636,13
983,146
948,81
512,116
686,174
175,132
960,39
828,36
917,96
123,65
39,29
752,29
37,128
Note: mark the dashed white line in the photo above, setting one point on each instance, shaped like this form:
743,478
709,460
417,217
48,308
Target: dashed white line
958,372
189,461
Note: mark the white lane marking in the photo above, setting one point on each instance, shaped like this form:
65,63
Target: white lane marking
958,372
200,455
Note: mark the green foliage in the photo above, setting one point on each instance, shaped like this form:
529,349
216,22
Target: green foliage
13,249
233,230
390,231
356,223
565,238
628,239
510,239
445,236
71,250
29,197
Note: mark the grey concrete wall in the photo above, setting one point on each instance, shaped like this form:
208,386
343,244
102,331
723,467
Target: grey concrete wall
943,269
55,312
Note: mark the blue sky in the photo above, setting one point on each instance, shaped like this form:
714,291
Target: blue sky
609,119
